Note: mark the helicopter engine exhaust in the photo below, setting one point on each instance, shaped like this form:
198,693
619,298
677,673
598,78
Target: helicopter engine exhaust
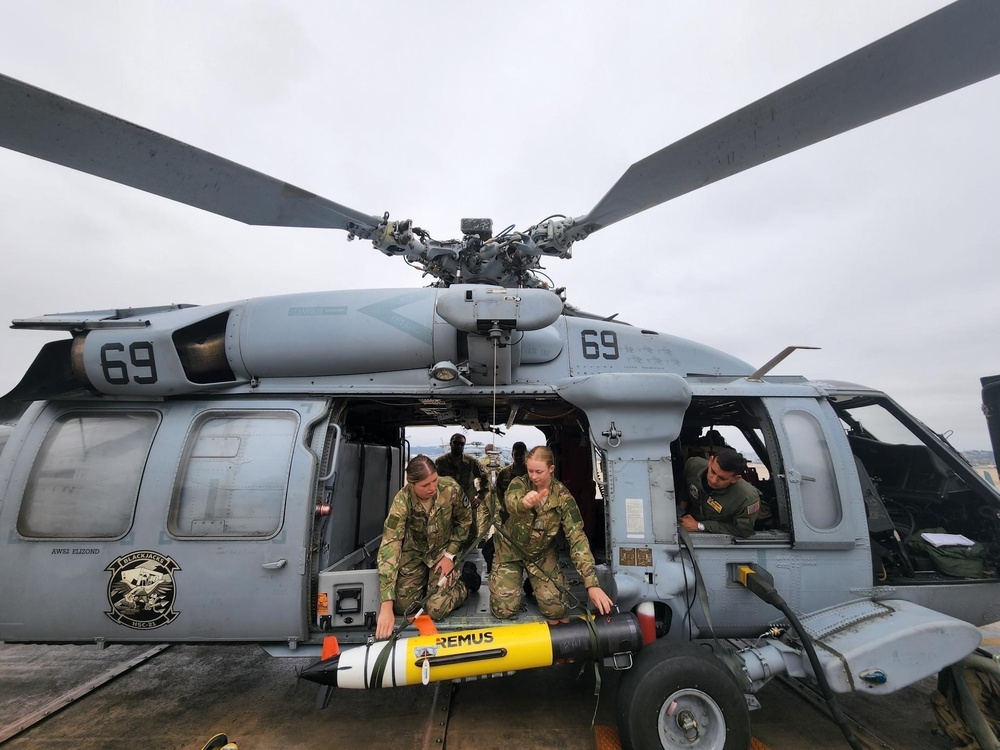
483,652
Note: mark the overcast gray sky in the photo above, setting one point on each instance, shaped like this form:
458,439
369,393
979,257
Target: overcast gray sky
878,245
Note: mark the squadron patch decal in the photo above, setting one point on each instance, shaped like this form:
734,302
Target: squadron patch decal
141,590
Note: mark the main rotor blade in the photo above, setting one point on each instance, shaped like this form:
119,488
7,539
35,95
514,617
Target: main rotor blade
56,129
954,47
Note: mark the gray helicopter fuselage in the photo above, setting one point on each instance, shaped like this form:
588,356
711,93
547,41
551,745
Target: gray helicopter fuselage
214,473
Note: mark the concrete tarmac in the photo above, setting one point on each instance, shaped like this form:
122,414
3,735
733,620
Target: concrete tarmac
179,698
188,693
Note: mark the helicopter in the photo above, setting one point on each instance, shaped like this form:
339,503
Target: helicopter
257,443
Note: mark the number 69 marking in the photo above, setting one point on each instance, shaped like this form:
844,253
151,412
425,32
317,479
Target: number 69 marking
140,356
593,343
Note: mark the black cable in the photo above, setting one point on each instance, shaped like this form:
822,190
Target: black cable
551,216
699,590
757,583
694,594
831,700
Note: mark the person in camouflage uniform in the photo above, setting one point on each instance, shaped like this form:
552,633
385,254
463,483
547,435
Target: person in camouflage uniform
428,523
719,500
485,459
516,469
468,472
508,473
539,505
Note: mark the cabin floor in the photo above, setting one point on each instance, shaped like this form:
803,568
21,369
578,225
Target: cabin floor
475,611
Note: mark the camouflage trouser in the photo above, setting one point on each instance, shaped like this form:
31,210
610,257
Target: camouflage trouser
412,583
480,523
505,586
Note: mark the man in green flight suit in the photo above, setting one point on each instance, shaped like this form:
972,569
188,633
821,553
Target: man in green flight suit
719,500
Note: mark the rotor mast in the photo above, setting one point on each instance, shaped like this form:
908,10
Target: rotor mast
510,258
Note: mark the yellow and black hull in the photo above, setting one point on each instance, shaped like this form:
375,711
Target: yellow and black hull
474,653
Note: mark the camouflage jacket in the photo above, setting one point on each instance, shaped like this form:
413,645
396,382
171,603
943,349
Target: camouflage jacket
532,531
728,511
465,471
410,532
507,475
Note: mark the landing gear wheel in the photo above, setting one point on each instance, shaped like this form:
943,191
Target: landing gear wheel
678,695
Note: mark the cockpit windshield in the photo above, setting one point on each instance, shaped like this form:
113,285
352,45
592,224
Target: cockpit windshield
873,420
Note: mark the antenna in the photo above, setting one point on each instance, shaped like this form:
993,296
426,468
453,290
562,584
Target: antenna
769,365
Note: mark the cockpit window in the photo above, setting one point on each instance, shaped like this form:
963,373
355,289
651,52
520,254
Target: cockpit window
875,422
913,482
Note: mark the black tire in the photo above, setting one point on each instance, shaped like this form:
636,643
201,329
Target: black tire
693,685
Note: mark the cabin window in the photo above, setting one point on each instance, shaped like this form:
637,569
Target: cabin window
233,476
742,424
811,461
85,479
